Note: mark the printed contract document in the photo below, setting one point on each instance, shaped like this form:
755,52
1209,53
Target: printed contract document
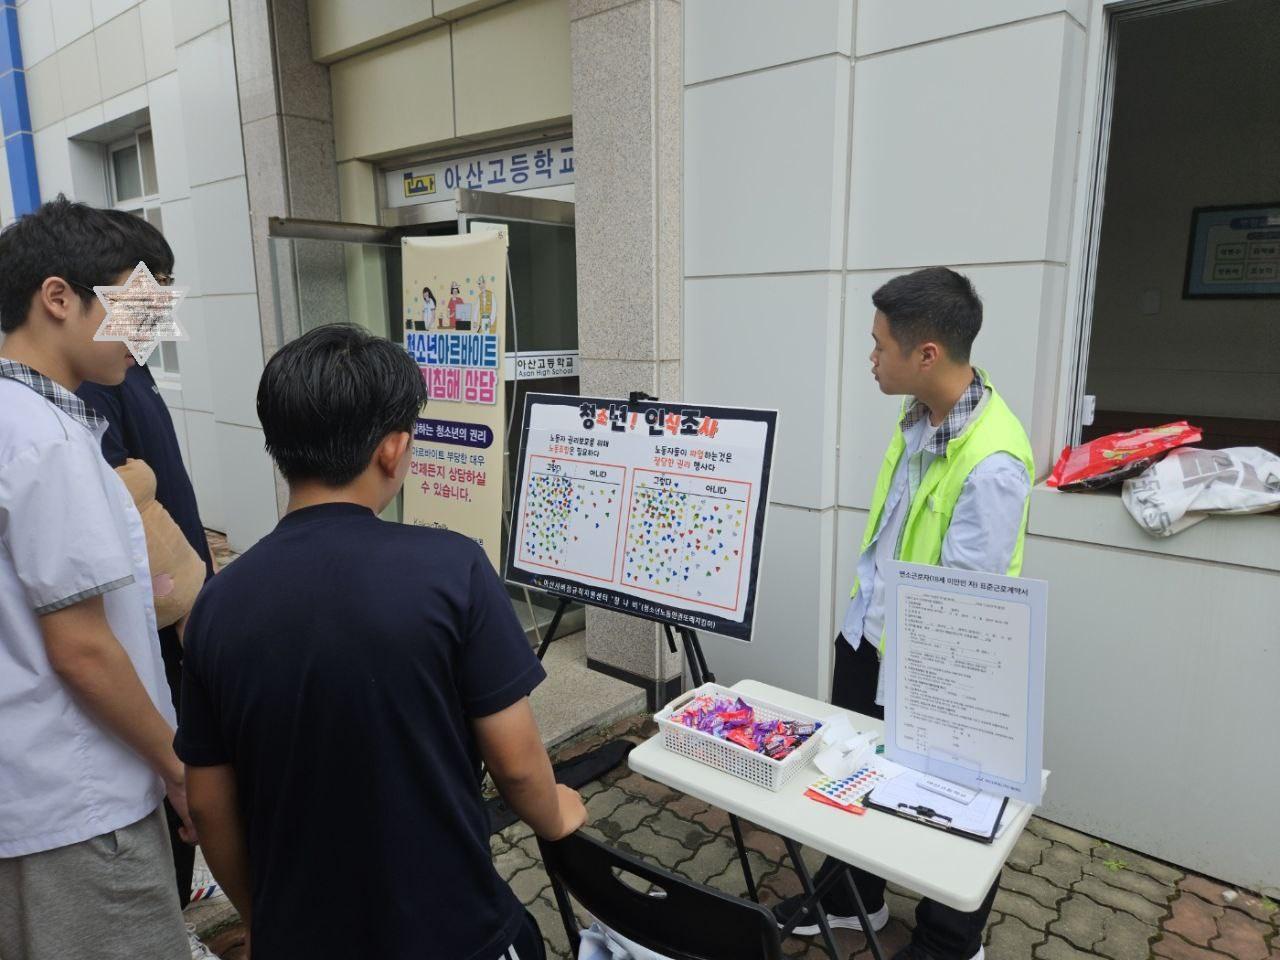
964,677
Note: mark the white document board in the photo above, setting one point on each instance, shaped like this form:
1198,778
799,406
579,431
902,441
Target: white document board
964,676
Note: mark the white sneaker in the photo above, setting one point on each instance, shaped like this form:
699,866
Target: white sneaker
879,919
203,886
198,950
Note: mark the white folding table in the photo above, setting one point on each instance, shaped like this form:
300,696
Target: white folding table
950,869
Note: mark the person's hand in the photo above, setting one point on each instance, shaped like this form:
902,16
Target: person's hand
573,813
175,789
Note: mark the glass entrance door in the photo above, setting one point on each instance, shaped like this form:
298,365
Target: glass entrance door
541,334
345,272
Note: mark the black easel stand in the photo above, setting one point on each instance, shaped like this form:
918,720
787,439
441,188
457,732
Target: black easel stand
549,637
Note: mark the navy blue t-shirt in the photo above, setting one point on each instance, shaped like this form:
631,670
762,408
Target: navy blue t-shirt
336,666
139,426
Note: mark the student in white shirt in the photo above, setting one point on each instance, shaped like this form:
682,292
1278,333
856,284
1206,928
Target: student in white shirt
86,754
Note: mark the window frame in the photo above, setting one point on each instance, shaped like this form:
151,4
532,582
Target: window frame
144,205
1097,104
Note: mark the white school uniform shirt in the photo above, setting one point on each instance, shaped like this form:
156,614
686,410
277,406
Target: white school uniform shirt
984,528
68,531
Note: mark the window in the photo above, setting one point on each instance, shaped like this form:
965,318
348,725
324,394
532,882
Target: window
135,188
1187,123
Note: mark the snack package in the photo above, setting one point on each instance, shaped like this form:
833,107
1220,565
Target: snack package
735,721
1110,459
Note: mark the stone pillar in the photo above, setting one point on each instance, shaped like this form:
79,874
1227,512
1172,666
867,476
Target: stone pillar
627,75
286,113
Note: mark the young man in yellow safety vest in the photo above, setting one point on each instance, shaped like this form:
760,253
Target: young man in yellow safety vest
952,491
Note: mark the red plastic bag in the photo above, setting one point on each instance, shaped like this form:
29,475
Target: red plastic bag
1110,459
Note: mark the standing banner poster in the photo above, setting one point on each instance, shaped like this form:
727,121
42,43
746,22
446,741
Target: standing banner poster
654,509
455,303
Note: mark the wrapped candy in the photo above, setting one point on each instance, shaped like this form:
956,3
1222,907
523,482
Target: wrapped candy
735,720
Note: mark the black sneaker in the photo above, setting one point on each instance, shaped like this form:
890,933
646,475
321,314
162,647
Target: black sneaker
808,925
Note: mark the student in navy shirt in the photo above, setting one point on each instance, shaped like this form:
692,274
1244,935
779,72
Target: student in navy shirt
139,427
344,680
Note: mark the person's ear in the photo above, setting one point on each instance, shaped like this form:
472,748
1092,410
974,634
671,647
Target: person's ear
58,298
391,452
929,354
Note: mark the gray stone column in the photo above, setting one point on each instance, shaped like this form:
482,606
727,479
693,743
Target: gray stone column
627,96
286,114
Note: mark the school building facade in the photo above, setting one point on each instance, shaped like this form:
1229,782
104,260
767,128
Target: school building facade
703,196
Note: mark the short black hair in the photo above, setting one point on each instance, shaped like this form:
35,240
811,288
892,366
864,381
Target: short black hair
327,399
932,304
77,242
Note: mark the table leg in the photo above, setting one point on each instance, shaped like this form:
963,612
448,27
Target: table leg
852,889
742,858
806,881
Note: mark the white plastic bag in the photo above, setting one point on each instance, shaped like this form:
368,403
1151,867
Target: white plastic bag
1190,483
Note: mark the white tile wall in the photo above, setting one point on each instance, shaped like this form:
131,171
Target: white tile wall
886,24
71,19
850,525
194,17
234,341
120,63
170,392
765,158
83,121
179,418
53,161
106,10
206,469
1014,311
1123,624
194,353
167,132
221,214
35,27
207,79
44,93
955,160
131,102
180,231
6,194
78,74
723,37
157,38
793,627
88,177
772,342
1066,142
250,486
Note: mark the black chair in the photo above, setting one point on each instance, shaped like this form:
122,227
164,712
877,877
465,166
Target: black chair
677,918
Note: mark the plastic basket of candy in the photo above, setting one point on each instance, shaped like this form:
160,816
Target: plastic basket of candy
750,738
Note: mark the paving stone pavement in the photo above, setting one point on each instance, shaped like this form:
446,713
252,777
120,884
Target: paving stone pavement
1063,895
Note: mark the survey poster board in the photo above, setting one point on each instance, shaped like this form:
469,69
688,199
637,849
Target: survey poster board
964,676
652,509
455,314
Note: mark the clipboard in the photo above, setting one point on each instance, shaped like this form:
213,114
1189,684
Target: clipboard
929,813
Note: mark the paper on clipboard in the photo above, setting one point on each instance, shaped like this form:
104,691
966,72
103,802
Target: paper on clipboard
979,817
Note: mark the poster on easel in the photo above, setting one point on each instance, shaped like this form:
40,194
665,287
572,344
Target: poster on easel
654,509
455,316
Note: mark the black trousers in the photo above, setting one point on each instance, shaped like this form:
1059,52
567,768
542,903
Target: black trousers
184,854
944,933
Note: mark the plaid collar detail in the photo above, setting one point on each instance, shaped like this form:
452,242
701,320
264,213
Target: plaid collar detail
956,420
55,393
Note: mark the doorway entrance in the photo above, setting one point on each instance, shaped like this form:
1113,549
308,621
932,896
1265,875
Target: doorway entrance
330,272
